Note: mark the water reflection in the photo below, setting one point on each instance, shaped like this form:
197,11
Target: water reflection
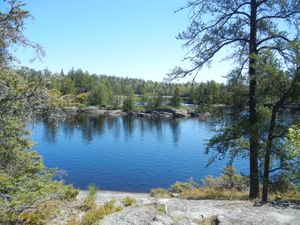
175,128
125,153
90,126
50,130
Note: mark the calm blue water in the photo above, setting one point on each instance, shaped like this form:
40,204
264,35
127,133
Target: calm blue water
126,154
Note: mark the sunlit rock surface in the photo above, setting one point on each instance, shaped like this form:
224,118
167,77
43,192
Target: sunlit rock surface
172,211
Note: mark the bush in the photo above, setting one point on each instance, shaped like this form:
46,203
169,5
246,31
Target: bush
160,193
211,193
229,179
70,193
282,184
72,221
160,208
129,201
96,213
42,214
92,190
229,185
179,187
90,201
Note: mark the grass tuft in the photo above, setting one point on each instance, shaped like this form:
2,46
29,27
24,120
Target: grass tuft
129,201
160,193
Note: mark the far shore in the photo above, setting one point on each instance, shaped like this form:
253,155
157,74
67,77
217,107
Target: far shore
159,113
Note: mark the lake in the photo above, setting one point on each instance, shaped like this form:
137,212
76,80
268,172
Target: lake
127,153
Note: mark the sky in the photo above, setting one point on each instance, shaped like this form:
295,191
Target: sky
128,38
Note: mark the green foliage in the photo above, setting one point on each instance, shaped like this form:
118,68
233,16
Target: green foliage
12,22
238,94
153,100
100,95
129,201
24,179
72,221
176,98
211,193
92,190
256,26
109,91
179,187
160,193
231,186
294,140
128,101
293,151
42,214
229,180
82,98
96,213
90,201
161,208
282,184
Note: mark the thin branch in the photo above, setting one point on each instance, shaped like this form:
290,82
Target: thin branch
275,36
280,15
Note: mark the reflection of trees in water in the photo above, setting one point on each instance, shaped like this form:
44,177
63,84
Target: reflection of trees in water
91,126
128,126
143,126
71,123
157,126
114,126
175,130
116,129
148,124
50,130
88,125
111,122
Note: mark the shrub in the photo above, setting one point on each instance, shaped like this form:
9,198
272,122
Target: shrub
160,193
92,190
90,201
72,221
179,187
42,214
129,201
229,179
70,193
211,193
282,183
161,208
95,214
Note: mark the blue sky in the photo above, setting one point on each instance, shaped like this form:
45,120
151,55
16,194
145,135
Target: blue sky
129,38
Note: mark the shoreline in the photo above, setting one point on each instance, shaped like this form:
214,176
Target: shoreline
153,114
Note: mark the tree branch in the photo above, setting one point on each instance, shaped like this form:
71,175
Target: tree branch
275,36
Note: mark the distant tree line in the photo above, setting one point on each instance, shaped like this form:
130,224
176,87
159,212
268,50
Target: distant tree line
109,91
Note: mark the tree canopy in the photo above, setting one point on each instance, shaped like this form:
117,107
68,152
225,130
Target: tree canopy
246,30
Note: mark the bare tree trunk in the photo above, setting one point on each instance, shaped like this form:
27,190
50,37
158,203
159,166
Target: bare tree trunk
254,181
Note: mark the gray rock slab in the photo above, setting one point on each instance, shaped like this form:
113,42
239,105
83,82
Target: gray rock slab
183,212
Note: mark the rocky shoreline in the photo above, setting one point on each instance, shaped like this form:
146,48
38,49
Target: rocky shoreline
174,211
156,114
